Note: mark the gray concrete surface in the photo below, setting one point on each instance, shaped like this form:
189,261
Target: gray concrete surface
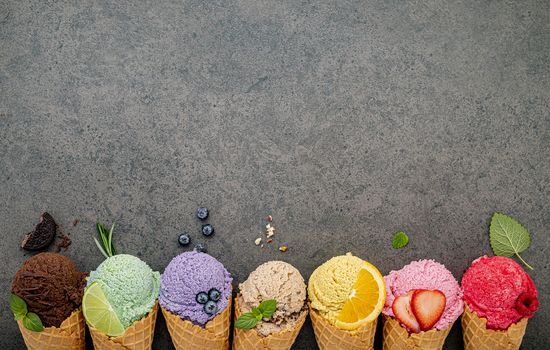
346,120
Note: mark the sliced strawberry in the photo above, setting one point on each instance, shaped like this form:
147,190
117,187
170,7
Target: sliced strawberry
402,310
428,306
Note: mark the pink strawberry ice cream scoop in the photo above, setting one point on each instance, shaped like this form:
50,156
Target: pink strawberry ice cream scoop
426,275
498,289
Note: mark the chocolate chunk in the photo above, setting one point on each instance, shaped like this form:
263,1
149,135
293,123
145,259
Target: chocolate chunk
65,242
43,234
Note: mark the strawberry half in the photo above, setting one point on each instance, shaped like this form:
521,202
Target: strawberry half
428,306
402,310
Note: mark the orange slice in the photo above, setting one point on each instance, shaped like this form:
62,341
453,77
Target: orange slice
365,301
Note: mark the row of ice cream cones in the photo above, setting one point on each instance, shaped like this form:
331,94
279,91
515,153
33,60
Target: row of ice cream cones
196,299
186,335
119,302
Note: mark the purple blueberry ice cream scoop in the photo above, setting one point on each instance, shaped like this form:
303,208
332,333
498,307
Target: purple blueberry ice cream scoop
195,286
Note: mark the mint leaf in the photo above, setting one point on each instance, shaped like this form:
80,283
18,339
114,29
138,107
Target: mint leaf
508,237
268,307
18,306
32,322
256,313
400,240
246,321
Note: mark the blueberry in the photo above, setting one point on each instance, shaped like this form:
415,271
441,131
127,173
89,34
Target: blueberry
202,213
207,230
184,239
214,294
200,247
202,298
210,307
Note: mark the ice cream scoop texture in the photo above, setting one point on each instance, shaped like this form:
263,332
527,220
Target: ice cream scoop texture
430,275
275,280
129,284
331,283
498,289
188,275
51,286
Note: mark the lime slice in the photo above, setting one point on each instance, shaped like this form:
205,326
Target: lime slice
99,313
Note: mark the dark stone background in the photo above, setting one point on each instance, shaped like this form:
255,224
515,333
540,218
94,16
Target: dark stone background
346,120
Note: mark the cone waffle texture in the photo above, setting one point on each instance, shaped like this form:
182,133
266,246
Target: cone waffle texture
398,338
139,336
249,339
478,337
188,336
69,335
330,337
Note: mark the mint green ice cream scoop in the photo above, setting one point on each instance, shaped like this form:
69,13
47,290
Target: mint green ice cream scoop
129,284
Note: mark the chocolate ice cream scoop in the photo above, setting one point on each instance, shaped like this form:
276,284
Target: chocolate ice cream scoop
51,286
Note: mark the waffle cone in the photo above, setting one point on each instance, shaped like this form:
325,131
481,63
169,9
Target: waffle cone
68,336
330,337
478,337
139,336
247,339
398,338
188,336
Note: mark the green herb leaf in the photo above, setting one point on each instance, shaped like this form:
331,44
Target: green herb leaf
110,240
105,242
246,321
103,237
268,307
257,313
18,306
508,237
32,322
100,248
400,240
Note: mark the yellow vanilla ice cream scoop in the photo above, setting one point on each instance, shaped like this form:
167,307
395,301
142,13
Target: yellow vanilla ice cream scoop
347,291
331,283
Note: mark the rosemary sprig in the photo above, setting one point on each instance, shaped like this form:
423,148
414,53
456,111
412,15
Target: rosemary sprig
105,243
